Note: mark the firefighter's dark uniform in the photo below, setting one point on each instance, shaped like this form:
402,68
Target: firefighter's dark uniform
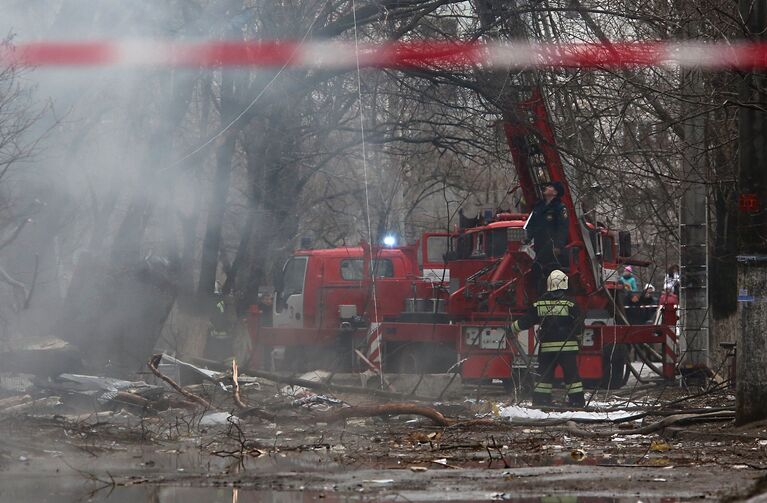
560,322
548,229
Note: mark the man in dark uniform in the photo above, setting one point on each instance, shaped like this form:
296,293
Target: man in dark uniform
548,229
560,323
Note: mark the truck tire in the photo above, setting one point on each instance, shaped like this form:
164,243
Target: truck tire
409,359
421,359
615,366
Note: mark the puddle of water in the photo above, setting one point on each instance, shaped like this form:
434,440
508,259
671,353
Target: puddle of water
66,490
515,460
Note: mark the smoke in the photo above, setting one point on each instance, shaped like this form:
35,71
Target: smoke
96,186
142,189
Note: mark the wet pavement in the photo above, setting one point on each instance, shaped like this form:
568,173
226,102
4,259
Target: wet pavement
64,454
368,461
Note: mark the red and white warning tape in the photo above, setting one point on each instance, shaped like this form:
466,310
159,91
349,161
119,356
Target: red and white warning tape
341,55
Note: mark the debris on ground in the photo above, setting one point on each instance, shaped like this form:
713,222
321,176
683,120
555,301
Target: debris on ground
233,416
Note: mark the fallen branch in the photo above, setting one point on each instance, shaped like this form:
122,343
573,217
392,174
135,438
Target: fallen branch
51,401
388,409
152,364
13,400
662,412
321,386
133,399
683,419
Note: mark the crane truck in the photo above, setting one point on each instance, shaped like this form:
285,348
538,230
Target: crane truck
446,303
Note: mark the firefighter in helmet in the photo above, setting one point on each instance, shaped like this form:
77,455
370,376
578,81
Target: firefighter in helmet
560,323
548,229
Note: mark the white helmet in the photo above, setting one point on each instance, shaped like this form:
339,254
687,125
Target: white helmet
557,281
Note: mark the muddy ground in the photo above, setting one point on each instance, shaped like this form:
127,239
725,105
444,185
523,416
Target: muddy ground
120,452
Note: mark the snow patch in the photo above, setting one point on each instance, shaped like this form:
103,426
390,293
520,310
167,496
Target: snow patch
513,412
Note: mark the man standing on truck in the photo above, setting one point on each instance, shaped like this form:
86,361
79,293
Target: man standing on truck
560,322
548,229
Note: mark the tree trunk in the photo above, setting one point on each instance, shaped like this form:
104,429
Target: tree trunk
212,242
115,309
751,394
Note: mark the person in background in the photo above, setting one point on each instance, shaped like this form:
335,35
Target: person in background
647,305
630,298
668,297
628,280
672,279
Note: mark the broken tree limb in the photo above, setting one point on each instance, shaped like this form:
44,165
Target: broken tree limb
14,400
684,419
133,399
403,408
152,364
662,412
236,386
388,409
321,386
51,401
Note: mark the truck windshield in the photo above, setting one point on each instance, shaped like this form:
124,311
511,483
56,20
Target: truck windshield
352,269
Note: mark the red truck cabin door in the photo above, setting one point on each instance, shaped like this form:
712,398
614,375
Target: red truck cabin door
289,298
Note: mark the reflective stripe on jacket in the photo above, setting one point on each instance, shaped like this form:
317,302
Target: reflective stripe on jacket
559,318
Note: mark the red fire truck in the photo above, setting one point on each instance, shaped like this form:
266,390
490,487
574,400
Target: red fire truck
447,302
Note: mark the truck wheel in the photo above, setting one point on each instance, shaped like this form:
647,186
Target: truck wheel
410,359
421,358
615,366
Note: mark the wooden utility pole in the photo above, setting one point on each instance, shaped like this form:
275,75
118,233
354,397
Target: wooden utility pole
751,395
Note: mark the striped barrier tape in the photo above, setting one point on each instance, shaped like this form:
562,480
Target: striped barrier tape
343,55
